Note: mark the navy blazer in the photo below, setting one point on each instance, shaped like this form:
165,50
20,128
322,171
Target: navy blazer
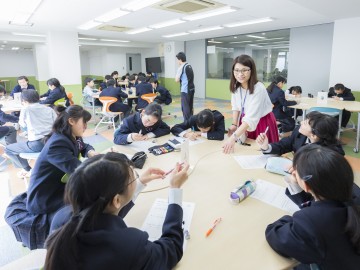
346,95
315,234
216,132
294,142
53,95
141,89
165,96
17,89
116,93
133,124
59,156
277,97
113,245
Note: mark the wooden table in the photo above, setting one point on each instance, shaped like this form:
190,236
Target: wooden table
239,240
10,106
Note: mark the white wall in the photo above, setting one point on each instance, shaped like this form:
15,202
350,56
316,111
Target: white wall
346,54
196,56
84,62
17,63
310,57
40,54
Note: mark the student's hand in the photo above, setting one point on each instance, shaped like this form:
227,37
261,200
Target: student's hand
191,136
137,137
179,175
231,130
151,174
263,141
145,137
229,145
336,98
92,153
291,169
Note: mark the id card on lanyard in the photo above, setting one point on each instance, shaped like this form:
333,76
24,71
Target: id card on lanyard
242,112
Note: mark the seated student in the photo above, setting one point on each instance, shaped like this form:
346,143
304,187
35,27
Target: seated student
165,96
317,128
23,83
103,84
89,91
115,75
132,82
340,92
112,91
56,91
142,126
98,235
295,91
208,124
30,214
149,76
142,88
37,120
324,235
277,97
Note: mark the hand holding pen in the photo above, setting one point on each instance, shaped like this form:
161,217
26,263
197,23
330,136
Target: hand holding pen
216,222
262,140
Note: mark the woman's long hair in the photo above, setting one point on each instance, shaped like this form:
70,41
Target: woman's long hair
247,61
275,81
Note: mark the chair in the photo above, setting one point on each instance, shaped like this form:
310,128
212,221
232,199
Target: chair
149,97
108,116
70,96
28,157
60,101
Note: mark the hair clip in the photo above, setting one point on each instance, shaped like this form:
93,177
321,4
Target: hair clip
306,177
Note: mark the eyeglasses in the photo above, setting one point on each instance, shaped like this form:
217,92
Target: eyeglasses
242,71
136,177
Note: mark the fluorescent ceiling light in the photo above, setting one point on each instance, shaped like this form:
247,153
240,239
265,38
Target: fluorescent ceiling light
138,30
273,38
166,24
30,35
114,40
15,48
254,45
206,29
86,38
262,20
111,15
208,14
213,41
253,36
88,25
245,41
176,35
139,4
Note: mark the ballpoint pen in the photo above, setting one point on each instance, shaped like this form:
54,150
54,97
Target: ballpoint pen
168,172
216,222
266,130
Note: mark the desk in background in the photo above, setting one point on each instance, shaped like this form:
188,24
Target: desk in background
238,242
8,90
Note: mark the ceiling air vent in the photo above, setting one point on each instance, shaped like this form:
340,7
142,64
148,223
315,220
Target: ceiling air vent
113,28
189,6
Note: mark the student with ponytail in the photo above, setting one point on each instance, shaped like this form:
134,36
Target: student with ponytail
96,236
326,234
56,91
30,213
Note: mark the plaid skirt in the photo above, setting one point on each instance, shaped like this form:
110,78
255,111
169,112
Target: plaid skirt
31,230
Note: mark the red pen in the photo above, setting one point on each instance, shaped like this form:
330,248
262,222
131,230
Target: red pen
182,163
216,222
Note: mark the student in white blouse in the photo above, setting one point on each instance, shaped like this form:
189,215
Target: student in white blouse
251,105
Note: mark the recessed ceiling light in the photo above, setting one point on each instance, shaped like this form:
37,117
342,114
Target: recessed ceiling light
111,15
235,37
166,24
15,48
245,41
138,30
213,41
28,34
253,36
90,24
139,4
85,38
176,35
206,29
114,40
208,14
262,20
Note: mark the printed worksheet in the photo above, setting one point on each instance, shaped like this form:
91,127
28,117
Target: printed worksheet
142,145
252,161
274,195
156,216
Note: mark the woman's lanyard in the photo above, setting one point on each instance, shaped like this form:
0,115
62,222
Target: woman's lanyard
242,104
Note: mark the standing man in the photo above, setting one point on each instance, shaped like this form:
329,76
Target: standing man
185,75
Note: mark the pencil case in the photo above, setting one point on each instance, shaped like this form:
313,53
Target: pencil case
161,149
242,192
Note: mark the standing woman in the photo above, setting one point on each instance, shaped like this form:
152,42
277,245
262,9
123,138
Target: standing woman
251,105
30,213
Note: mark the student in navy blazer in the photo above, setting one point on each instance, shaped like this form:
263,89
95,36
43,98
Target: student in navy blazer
142,126
142,88
326,233
56,91
112,91
165,96
317,128
23,83
99,236
208,124
30,213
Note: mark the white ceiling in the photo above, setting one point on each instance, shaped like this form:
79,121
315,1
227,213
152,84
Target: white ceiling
67,15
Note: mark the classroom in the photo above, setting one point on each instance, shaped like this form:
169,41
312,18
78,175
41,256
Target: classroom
238,118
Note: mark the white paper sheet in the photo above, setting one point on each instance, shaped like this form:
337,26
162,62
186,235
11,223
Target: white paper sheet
191,143
143,145
274,195
156,216
252,161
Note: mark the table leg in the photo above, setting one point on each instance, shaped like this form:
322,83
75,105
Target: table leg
340,118
93,106
356,149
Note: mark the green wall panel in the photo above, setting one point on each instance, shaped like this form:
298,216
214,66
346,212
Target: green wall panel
170,85
76,90
218,89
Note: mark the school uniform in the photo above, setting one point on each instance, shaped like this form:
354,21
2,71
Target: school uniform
30,213
18,89
315,235
103,86
133,124
141,89
346,96
7,132
118,106
277,97
215,133
165,96
294,143
53,95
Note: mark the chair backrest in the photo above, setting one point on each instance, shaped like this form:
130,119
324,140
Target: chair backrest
149,97
60,101
107,101
70,96
329,111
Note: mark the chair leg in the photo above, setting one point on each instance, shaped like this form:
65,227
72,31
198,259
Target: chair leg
100,122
